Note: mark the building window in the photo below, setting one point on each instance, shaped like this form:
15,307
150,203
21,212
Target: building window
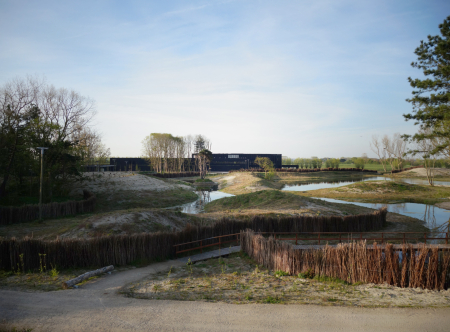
233,156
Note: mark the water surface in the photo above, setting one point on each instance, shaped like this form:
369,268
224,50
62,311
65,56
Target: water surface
334,184
204,197
433,216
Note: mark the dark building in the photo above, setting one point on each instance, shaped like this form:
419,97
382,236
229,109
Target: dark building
130,164
221,162
224,162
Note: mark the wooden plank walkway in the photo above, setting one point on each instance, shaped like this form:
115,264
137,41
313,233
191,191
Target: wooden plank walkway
210,254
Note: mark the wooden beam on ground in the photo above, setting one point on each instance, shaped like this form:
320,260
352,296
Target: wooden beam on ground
87,275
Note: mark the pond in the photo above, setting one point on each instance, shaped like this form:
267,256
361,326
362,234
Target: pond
434,217
204,197
334,184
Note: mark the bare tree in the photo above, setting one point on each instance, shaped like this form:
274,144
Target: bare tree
203,158
389,150
429,160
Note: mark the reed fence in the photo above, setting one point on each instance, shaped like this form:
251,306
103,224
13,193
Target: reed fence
26,213
425,267
124,249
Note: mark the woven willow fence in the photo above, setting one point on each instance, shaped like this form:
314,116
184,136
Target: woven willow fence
17,214
124,249
425,267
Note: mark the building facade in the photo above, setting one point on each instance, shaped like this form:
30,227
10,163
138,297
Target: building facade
220,162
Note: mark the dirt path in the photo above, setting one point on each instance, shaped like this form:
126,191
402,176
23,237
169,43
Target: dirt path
97,307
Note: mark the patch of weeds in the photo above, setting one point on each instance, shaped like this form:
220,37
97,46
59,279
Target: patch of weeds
280,273
189,264
42,263
53,272
272,300
309,274
170,271
330,280
14,329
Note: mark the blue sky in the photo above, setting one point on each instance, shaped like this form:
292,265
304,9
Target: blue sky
301,78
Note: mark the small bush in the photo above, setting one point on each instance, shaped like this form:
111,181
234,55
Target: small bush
272,300
309,274
280,273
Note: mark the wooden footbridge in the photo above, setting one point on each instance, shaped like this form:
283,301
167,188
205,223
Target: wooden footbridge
222,245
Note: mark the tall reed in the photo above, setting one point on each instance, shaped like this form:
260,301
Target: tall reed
425,267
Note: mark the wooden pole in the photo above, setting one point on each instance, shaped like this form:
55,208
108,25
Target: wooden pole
87,275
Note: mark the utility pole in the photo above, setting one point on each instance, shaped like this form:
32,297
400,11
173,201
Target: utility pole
42,180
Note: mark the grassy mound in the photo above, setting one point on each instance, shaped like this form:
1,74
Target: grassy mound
386,186
384,192
204,181
265,199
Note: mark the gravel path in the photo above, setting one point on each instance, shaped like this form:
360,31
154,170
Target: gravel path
97,307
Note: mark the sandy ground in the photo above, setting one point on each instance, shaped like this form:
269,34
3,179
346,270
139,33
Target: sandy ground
422,172
240,281
444,205
124,222
96,306
102,182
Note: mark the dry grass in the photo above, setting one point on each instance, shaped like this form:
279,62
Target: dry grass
239,280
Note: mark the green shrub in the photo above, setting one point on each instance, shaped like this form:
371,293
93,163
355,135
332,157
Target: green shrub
280,273
309,274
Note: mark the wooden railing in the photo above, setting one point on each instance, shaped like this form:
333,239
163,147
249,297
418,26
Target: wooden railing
319,237
216,241
404,237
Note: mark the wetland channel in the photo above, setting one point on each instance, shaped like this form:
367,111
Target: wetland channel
434,217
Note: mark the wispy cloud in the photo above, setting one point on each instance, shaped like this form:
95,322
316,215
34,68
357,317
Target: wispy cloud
298,78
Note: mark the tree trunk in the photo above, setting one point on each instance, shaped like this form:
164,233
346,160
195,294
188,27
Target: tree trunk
85,276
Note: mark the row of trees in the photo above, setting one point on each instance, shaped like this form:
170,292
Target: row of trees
303,163
168,153
36,114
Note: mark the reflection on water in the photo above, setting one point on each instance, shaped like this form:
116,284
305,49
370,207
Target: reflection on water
435,218
334,184
204,197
